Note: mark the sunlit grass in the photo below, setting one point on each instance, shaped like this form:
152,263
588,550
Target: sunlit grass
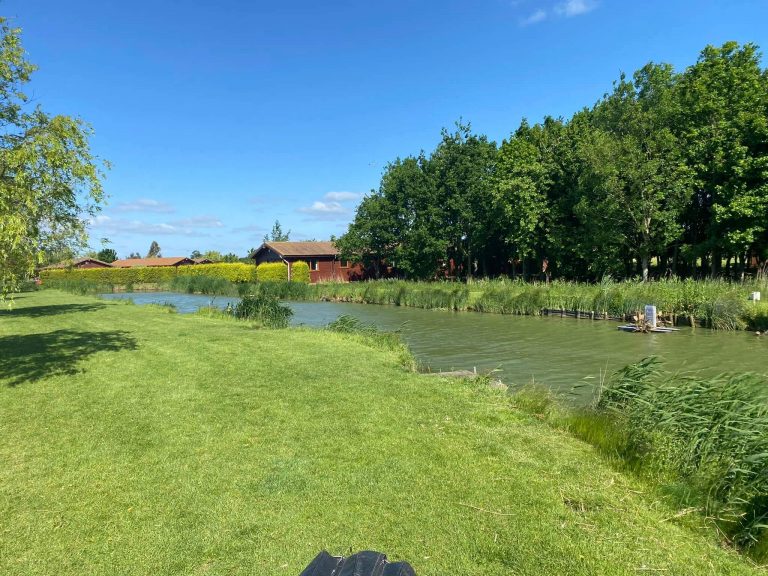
141,442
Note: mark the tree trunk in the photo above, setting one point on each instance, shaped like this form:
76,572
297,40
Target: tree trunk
646,265
743,265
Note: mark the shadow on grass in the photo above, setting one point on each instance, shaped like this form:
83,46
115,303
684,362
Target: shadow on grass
53,309
31,357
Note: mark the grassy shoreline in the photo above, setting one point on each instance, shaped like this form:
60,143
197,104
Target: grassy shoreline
138,441
713,304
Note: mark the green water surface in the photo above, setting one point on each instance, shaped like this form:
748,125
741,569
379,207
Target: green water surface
565,354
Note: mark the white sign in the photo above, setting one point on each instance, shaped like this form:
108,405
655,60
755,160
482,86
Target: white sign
650,316
754,296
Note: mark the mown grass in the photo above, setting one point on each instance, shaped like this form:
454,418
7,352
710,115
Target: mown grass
703,440
141,442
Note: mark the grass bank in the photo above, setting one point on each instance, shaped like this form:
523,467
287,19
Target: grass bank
137,441
702,440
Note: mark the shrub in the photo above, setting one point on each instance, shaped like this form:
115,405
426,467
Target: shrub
272,272
278,272
300,272
264,308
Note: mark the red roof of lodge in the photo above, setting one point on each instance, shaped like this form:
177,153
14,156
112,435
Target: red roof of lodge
137,262
76,263
300,249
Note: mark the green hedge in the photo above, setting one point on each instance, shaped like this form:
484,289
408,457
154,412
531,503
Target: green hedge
278,272
272,272
300,272
233,272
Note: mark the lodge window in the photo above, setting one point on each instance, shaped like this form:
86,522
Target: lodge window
313,264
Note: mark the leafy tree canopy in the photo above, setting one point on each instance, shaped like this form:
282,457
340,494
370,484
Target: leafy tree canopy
50,182
277,234
154,250
107,255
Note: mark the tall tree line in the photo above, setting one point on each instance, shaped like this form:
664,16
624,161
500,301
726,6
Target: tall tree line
667,173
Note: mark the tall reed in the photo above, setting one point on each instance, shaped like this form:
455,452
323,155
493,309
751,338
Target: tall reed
710,433
715,304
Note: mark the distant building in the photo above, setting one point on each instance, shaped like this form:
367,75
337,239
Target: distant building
146,262
202,260
323,258
79,263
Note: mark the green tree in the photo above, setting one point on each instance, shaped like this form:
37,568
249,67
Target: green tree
644,176
372,237
724,120
50,183
277,234
154,250
462,166
520,185
107,255
410,190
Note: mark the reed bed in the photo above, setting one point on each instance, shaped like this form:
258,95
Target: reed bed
710,433
714,304
702,441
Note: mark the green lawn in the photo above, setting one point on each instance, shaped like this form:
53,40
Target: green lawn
140,442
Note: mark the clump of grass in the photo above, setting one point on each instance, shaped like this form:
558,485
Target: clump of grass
167,307
756,316
537,400
264,308
214,312
347,324
369,333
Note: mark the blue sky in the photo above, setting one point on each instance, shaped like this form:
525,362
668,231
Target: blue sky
221,117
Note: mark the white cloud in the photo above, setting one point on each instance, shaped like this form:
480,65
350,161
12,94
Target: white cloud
326,211
342,196
571,8
184,227
319,207
144,205
538,16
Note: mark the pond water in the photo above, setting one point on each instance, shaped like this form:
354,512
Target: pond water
565,354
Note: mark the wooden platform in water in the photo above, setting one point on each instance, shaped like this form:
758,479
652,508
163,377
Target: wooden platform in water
658,330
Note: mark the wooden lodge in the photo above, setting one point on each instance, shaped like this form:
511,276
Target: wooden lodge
325,264
80,263
147,262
